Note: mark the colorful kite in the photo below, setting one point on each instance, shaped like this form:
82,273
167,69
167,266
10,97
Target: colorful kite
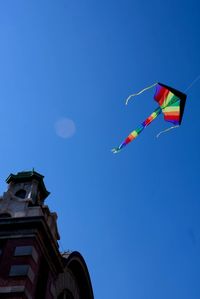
171,104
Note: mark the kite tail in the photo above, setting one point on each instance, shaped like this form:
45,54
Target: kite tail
166,130
115,150
136,132
137,94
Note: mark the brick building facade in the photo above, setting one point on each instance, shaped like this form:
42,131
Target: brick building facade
31,265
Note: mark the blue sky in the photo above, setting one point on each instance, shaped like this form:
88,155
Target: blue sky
133,216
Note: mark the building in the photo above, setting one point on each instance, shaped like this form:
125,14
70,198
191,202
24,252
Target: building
31,265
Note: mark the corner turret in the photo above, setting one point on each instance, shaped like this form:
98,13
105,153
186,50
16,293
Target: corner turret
28,185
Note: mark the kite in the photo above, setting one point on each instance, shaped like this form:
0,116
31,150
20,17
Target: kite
171,103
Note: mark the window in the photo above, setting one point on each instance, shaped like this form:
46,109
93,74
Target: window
26,250
22,270
66,294
5,215
19,270
21,193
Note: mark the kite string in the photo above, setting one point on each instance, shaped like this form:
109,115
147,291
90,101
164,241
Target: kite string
166,130
192,83
136,94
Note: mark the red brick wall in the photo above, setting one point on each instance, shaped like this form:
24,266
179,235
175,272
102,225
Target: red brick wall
8,259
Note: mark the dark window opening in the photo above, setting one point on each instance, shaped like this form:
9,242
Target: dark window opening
5,215
66,294
21,193
19,270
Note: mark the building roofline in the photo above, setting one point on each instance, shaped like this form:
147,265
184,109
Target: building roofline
24,176
76,263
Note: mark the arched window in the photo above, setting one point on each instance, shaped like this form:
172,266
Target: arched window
21,193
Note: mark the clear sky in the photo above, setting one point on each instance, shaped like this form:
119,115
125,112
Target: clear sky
71,64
